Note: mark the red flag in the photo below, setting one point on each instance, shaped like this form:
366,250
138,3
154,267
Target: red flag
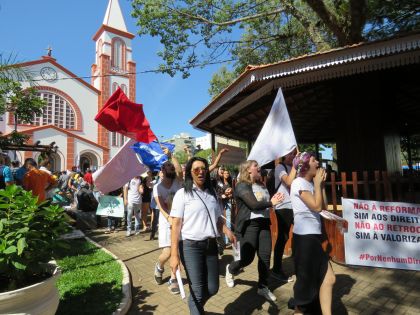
121,115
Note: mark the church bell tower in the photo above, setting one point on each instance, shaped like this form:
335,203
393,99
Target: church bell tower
114,66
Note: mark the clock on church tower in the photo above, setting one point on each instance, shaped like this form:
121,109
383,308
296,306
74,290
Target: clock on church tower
48,74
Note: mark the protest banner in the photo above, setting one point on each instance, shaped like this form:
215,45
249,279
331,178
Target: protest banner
110,206
382,234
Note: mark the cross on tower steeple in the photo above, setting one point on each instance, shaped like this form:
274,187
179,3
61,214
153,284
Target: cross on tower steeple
49,49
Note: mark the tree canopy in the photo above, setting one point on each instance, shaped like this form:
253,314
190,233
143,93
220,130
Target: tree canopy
24,103
196,33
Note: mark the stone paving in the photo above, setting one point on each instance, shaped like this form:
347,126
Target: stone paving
358,290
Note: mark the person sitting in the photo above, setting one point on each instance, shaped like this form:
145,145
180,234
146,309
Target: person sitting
85,199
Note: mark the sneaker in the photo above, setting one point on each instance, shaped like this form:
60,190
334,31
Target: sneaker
281,276
265,292
230,282
108,230
158,274
137,233
128,234
173,286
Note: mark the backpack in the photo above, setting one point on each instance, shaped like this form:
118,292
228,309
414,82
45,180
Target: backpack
2,182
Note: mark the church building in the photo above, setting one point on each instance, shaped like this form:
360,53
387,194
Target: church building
72,103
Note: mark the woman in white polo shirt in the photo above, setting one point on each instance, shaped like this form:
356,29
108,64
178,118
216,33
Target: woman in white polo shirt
314,275
196,220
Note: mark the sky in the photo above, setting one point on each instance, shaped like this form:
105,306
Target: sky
28,27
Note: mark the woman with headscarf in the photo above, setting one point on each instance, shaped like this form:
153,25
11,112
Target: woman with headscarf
314,275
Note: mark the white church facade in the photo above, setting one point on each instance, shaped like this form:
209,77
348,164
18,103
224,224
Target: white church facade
72,103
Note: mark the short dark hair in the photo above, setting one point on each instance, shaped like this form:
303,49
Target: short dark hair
31,161
15,163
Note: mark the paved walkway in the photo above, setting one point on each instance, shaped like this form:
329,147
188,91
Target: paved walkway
357,290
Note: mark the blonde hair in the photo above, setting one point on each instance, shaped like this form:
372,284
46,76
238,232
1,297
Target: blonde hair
243,172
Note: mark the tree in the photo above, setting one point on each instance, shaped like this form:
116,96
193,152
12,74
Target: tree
181,156
197,33
24,103
205,154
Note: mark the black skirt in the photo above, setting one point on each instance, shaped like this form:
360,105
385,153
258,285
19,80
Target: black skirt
311,265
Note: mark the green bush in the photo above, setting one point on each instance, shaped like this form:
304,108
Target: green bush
29,232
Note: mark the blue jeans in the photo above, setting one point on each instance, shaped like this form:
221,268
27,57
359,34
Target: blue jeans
133,208
113,222
201,263
228,209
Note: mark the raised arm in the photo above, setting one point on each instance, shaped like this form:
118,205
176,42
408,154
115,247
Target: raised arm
174,160
288,179
315,201
217,160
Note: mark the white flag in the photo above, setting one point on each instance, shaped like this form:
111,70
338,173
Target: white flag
276,138
119,170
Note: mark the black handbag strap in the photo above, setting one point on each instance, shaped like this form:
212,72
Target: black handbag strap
208,212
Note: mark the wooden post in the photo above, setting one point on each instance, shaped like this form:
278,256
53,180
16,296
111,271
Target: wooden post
387,190
366,185
333,192
344,184
355,188
378,185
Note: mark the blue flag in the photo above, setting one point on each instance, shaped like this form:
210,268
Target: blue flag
152,154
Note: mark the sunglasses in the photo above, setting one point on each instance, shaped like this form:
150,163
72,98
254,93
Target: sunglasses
197,170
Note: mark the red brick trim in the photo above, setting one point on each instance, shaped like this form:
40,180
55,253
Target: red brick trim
132,81
51,60
70,153
105,86
68,133
112,30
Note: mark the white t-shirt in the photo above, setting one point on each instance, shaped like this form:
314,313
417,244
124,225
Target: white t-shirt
167,195
279,172
133,194
306,221
261,194
196,224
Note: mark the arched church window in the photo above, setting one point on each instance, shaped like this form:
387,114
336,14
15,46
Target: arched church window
118,50
114,87
57,112
124,88
114,139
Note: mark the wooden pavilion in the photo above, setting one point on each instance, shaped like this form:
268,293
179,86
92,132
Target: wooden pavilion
362,97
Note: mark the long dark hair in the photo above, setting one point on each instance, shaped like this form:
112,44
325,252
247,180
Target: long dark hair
188,181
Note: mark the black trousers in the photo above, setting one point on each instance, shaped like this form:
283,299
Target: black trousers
284,222
255,239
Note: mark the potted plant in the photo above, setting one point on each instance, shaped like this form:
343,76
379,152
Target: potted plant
29,233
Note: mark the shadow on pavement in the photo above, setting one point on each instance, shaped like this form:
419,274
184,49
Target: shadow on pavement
249,301
139,305
343,285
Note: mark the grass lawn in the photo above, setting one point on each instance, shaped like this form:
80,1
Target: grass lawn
90,282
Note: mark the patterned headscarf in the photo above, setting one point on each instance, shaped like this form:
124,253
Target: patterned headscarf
301,163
